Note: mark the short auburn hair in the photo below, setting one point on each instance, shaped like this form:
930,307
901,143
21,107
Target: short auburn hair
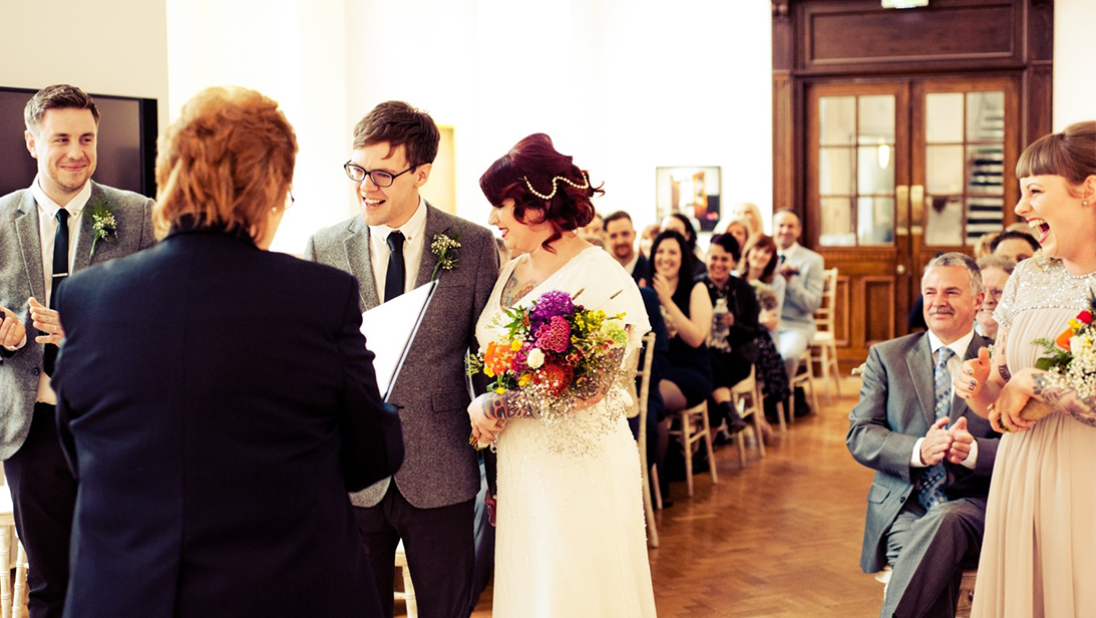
534,166
225,163
58,96
400,124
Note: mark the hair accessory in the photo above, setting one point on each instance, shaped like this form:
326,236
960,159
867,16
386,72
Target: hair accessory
555,187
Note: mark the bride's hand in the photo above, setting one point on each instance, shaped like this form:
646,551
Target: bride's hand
1010,403
582,404
484,428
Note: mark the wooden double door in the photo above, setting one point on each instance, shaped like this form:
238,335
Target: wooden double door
898,171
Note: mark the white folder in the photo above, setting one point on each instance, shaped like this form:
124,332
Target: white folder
389,329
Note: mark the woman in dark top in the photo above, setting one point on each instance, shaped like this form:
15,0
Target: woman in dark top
731,344
758,268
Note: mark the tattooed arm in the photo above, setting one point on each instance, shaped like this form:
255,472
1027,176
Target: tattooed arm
1064,398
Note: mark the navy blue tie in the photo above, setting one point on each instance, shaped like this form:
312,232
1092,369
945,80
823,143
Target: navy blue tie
60,272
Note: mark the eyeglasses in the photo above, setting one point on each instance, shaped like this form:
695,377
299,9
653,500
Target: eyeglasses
380,178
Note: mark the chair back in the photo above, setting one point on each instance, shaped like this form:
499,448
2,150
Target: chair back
644,374
825,316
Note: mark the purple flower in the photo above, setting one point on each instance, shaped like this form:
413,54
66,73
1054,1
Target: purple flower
552,304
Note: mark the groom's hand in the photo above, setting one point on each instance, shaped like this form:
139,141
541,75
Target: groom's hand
48,321
12,330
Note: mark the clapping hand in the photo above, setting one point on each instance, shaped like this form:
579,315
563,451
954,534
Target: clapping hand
961,441
663,288
937,442
972,377
788,271
12,330
46,320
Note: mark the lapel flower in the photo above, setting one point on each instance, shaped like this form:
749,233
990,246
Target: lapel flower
103,224
447,251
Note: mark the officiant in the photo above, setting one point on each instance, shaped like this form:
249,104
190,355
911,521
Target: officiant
217,401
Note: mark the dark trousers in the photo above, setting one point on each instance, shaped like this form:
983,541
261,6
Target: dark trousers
43,493
440,551
932,548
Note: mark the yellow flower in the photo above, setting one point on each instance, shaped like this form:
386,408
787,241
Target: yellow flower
525,380
500,391
515,345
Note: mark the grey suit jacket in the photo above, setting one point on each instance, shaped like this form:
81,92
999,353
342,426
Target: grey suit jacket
21,278
896,407
439,468
803,295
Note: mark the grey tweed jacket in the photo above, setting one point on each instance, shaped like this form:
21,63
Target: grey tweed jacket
21,278
439,468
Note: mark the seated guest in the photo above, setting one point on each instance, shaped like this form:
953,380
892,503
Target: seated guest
621,238
758,268
802,270
687,379
933,455
983,247
1015,245
736,227
734,328
684,226
647,238
594,231
995,273
217,419
751,214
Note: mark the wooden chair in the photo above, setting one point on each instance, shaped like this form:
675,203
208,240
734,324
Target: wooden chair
746,399
690,436
803,376
13,598
825,338
644,375
966,589
408,594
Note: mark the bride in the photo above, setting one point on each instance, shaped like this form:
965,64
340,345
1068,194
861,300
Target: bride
571,538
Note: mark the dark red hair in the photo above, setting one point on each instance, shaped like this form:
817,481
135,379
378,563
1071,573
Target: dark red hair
534,163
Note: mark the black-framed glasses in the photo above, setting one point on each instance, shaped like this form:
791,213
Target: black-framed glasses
380,178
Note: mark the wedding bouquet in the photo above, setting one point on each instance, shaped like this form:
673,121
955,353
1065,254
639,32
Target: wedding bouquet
1070,361
553,355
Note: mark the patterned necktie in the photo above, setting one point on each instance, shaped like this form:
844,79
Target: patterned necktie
60,271
395,279
932,478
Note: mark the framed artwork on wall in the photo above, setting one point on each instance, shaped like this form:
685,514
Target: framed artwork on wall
692,191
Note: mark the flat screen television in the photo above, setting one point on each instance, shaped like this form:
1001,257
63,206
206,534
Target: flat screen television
126,151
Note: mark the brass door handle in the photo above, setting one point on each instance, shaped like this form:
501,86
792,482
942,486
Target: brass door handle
917,206
902,200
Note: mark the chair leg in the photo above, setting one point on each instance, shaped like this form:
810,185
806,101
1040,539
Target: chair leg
708,446
409,594
781,417
814,393
740,442
648,508
658,488
791,407
687,450
20,600
836,371
757,414
824,362
5,572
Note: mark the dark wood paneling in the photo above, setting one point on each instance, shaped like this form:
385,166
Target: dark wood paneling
917,35
784,149
878,309
1037,98
842,317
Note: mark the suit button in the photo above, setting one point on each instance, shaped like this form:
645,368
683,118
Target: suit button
35,372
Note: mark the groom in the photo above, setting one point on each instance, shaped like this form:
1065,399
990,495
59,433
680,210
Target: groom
429,502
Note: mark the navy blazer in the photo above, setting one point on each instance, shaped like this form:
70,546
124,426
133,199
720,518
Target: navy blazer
217,402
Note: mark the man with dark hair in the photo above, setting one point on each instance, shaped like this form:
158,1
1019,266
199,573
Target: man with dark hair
1015,245
932,455
621,237
63,223
428,503
802,269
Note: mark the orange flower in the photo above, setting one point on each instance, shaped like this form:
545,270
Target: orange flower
497,359
1063,340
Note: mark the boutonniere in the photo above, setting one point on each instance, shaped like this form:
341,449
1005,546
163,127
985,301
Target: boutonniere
103,224
446,249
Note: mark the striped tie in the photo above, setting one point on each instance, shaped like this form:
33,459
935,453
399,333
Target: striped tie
932,478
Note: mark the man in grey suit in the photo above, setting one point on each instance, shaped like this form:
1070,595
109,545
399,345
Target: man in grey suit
429,502
46,232
927,503
802,269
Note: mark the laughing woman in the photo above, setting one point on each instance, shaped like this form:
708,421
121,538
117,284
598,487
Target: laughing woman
1039,550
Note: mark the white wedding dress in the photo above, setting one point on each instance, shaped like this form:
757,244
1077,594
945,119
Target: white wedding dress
571,535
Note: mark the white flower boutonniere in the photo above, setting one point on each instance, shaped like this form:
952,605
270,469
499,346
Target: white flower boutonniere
446,249
103,224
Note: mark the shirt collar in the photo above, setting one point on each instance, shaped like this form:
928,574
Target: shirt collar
959,346
631,266
411,230
789,250
50,207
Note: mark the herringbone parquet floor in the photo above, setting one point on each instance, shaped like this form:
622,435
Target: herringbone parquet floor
778,539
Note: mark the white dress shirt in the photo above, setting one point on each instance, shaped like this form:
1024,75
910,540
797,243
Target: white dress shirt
414,232
955,363
47,229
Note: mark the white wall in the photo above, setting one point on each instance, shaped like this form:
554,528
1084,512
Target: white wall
1074,68
106,47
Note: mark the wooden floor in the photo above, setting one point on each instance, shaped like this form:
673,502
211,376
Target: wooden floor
778,539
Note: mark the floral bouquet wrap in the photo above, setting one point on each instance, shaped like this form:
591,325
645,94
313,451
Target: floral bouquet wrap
1070,361
553,356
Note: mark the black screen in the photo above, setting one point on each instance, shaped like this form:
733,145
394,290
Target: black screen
126,151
